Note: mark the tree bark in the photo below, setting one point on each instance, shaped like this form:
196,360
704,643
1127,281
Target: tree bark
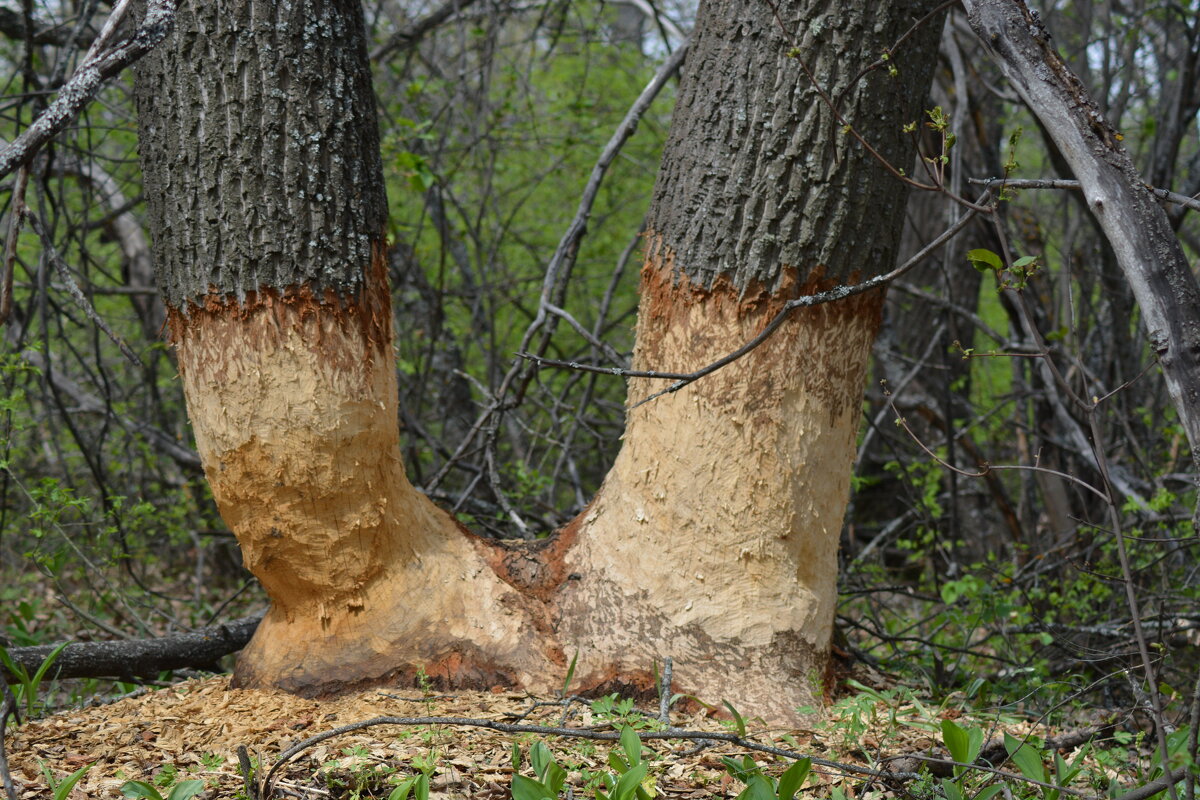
1134,224
136,658
714,538
260,150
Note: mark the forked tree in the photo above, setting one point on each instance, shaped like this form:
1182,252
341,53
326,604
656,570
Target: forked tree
714,537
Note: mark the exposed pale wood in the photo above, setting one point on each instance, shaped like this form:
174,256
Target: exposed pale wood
714,538
293,405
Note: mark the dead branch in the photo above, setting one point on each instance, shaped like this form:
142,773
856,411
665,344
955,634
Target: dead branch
138,658
86,82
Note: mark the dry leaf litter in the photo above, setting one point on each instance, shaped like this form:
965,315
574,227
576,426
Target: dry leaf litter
195,728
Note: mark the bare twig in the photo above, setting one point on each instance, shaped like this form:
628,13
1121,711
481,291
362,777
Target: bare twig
890,53
1154,787
1059,183
682,379
9,709
16,217
664,692
985,468
578,733
86,82
76,293
411,34
1189,788
1131,599
517,378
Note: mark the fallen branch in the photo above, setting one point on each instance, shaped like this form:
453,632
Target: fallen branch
578,733
137,658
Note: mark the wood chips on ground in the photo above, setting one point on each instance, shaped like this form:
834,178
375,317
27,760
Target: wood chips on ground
195,728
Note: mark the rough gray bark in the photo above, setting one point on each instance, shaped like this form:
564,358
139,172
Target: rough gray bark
757,174
1139,231
137,658
265,145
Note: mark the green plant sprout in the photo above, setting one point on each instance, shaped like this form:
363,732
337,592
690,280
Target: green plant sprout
181,791
964,746
62,790
1016,276
760,786
28,685
625,782
416,785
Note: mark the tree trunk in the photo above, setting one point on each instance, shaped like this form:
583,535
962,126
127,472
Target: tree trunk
714,538
260,150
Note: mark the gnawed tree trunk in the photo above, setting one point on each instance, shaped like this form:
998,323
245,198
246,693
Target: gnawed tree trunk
713,539
261,156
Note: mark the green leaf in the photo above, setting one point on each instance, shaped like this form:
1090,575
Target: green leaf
986,257
186,790
617,763
140,789
990,791
1024,261
740,770
422,788
758,788
570,673
540,757
555,778
632,745
957,741
528,789
628,785
63,790
951,789
516,757
16,669
46,664
1028,760
1065,772
793,778
976,744
737,718
403,788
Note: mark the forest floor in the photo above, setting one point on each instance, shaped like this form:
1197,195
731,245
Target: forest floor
193,730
